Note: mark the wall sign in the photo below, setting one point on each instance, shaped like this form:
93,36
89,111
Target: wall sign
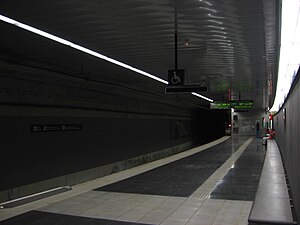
55,127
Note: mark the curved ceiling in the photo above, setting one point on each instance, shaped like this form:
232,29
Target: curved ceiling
230,44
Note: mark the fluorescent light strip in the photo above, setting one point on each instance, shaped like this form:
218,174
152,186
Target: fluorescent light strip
80,48
201,96
86,50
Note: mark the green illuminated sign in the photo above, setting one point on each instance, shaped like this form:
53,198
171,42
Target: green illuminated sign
242,104
220,105
239,104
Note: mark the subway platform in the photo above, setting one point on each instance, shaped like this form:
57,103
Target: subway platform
210,184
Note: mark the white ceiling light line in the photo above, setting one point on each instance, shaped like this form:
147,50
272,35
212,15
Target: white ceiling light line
201,96
86,50
78,47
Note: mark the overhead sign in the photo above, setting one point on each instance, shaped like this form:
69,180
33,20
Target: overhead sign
176,77
242,104
220,105
238,104
176,83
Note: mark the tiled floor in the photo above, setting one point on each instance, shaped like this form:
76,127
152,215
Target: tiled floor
146,209
90,205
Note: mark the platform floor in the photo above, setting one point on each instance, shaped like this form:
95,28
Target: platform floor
211,184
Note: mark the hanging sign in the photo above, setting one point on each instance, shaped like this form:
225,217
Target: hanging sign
176,77
238,104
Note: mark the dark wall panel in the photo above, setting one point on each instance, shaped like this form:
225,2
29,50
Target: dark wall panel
119,121
29,157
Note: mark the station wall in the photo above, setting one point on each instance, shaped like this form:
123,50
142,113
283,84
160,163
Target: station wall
49,140
287,130
244,123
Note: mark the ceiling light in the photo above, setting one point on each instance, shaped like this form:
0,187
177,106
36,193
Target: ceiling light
201,96
288,62
80,48
88,51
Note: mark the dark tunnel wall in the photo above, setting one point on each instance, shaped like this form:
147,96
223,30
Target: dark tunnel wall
33,156
30,157
115,129
287,128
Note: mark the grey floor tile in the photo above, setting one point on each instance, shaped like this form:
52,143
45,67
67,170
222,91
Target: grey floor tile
134,215
202,218
175,221
155,217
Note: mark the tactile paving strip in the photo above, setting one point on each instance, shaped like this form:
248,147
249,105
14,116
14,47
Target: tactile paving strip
206,188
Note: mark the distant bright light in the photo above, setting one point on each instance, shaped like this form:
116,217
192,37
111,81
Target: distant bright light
88,51
289,52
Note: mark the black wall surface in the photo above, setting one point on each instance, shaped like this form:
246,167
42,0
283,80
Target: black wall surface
287,128
28,157
117,123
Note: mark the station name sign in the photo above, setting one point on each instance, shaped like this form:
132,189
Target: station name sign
236,104
55,127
